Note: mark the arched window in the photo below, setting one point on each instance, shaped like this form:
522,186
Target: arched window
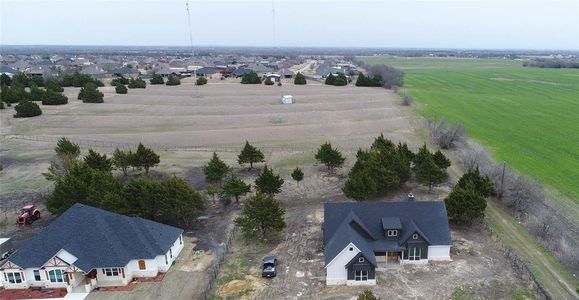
142,265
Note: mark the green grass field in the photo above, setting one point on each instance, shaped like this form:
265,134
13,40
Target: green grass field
528,117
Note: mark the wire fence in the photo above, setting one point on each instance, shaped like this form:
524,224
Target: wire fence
86,143
213,271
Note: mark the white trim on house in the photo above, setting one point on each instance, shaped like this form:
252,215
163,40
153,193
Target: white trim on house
336,272
61,263
439,253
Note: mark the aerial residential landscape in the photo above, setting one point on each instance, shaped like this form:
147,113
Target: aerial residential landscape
267,159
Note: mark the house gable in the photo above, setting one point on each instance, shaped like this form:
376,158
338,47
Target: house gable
342,253
10,265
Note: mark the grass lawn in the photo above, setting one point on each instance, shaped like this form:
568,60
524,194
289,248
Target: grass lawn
528,117
550,274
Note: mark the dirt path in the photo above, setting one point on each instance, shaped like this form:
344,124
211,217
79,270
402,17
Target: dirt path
545,269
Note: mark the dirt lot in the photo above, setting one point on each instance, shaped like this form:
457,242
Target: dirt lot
220,115
479,269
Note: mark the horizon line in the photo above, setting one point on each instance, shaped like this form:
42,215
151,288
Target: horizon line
291,47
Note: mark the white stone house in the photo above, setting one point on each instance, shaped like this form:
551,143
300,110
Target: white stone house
361,238
88,247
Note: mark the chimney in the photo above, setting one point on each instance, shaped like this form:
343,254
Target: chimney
410,197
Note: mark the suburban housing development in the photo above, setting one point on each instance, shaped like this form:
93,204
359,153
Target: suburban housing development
360,238
87,247
253,150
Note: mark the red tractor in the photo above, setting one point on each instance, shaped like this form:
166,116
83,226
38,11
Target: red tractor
27,215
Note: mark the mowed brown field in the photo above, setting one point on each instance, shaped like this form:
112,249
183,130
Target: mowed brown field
218,115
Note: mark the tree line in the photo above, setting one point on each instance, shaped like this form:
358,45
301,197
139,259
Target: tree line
13,90
554,63
390,76
89,180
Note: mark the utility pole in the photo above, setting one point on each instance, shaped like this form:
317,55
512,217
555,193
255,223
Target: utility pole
502,181
191,38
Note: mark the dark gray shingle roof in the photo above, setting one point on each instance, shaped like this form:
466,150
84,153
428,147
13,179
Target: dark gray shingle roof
341,221
124,70
391,223
98,239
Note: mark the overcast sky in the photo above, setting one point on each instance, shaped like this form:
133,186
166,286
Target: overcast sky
511,24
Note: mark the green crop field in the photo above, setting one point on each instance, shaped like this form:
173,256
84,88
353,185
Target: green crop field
528,117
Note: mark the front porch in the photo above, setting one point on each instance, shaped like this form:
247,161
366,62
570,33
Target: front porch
388,259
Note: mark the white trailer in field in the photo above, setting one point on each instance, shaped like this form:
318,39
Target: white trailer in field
287,99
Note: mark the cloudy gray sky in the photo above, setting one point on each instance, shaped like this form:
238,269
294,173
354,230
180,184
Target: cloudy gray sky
513,24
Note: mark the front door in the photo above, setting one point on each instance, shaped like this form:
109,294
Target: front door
392,256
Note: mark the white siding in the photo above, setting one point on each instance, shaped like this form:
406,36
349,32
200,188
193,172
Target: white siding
104,280
7,285
336,272
131,270
439,252
66,256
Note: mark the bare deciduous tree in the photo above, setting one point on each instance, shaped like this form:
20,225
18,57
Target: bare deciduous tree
445,135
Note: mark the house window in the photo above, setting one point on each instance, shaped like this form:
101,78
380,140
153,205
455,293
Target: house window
171,252
392,233
112,271
56,275
415,236
361,275
142,265
14,277
361,259
180,241
166,261
37,275
415,253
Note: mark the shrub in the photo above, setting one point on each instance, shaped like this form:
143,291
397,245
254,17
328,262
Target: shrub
364,80
340,81
330,80
279,83
2,105
465,204
389,77
54,85
51,97
14,93
119,81
35,93
137,83
5,79
121,89
201,81
300,79
250,78
173,80
407,100
79,80
27,109
262,215
268,81
36,80
90,94
157,79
